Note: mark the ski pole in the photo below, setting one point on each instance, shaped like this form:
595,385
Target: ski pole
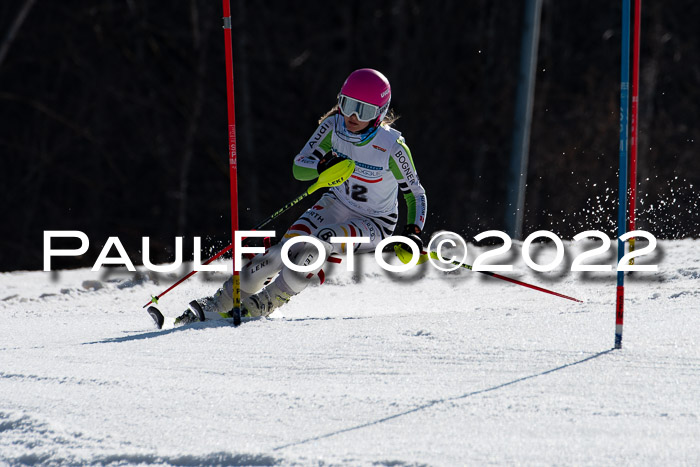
333,176
233,156
405,257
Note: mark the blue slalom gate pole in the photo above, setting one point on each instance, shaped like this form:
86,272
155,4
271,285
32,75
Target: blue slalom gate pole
622,201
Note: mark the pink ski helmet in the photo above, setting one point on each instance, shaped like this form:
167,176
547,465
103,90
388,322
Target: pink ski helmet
367,94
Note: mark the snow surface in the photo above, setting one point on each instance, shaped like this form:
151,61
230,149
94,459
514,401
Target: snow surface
370,368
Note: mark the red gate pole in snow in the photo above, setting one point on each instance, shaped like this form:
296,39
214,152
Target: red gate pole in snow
634,121
233,163
622,187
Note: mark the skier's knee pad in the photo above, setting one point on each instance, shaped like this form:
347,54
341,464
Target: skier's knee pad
304,254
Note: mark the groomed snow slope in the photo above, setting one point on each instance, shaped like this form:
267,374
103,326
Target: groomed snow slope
367,369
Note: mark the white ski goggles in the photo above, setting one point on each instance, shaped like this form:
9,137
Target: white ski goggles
364,111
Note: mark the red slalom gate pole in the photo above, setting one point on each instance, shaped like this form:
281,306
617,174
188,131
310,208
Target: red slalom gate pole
622,174
233,162
634,121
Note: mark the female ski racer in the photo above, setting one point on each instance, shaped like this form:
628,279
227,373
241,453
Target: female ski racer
358,127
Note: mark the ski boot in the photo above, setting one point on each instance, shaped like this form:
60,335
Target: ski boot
265,302
193,313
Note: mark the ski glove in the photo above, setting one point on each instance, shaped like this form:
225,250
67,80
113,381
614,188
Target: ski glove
412,231
328,161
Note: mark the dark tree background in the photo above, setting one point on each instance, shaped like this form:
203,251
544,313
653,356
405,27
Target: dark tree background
113,113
